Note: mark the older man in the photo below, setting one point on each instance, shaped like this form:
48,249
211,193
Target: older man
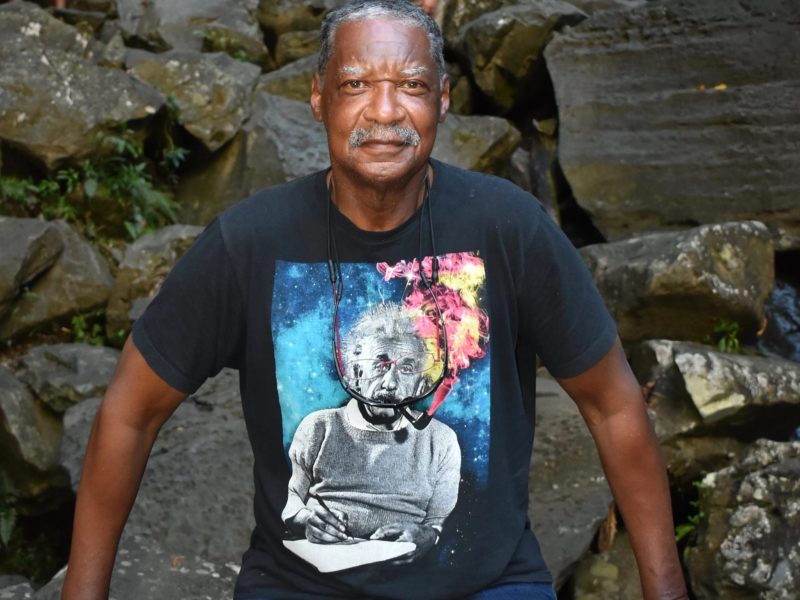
383,207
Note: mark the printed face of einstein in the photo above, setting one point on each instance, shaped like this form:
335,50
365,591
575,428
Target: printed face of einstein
390,368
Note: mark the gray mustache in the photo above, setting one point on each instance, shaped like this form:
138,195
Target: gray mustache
382,133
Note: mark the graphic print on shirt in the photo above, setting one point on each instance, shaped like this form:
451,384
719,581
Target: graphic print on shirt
368,486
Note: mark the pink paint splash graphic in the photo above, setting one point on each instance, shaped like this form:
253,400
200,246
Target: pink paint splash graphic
467,325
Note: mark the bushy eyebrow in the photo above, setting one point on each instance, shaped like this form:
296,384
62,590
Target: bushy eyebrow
350,70
359,72
414,71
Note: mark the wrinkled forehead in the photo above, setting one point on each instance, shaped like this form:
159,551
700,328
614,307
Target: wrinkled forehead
389,347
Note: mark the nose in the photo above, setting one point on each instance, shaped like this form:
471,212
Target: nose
389,379
384,106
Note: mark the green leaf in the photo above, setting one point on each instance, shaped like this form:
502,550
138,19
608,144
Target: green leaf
8,518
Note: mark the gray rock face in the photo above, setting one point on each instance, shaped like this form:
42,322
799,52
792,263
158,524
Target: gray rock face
653,139
291,81
504,46
29,247
279,142
53,102
78,281
721,387
196,495
294,45
610,575
144,569
19,591
29,434
64,374
143,267
679,285
748,546
212,91
182,25
478,143
569,494
281,16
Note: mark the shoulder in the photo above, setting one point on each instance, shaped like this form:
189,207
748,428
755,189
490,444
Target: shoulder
316,423
441,432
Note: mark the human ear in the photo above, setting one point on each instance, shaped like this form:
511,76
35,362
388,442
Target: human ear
316,97
444,99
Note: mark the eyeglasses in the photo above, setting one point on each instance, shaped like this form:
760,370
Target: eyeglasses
370,369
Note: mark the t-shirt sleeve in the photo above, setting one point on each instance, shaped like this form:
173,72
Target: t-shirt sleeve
194,326
561,310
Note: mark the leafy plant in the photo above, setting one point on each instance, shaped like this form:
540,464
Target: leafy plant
725,336
686,532
87,328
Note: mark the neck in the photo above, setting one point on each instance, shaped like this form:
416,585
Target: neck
378,207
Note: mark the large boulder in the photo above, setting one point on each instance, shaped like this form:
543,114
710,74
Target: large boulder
701,385
78,281
291,81
680,285
281,16
609,575
30,246
669,113
144,569
569,496
53,102
212,91
144,266
29,439
747,544
62,375
478,143
294,45
217,25
504,48
279,142
199,472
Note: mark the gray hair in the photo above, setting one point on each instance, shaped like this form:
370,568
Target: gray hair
401,11
384,320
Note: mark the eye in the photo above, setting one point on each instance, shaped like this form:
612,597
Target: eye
353,84
413,84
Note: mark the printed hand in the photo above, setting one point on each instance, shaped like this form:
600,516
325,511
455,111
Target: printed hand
422,535
324,526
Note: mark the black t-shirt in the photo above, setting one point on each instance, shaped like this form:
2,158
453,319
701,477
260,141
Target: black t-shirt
254,293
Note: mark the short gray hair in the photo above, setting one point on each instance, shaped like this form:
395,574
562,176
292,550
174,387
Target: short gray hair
402,11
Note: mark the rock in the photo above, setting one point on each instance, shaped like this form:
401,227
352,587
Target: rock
64,374
536,170
144,569
504,48
293,45
569,495
691,458
680,285
30,21
19,591
29,438
78,281
228,25
782,335
457,13
200,471
30,246
478,143
53,103
291,81
280,16
279,142
747,545
611,575
212,91
144,266
654,140
722,388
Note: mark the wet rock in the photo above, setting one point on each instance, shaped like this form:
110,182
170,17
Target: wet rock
145,569
62,375
478,143
293,45
29,437
180,25
53,102
782,335
143,267
30,246
680,285
291,81
504,47
569,495
722,388
200,472
653,140
78,281
212,91
747,547
279,142
610,575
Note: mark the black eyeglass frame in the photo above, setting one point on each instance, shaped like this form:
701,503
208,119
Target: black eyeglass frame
335,275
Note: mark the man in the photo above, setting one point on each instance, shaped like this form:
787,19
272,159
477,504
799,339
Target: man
334,496
479,245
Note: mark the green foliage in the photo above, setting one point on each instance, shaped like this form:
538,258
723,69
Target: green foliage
221,40
725,337
112,195
87,328
8,519
686,532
